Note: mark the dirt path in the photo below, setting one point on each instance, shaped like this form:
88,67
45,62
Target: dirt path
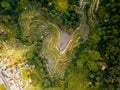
64,40
5,81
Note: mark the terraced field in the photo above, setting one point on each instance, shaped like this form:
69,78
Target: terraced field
56,43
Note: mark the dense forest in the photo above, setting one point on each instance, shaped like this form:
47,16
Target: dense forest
68,16
102,49
97,58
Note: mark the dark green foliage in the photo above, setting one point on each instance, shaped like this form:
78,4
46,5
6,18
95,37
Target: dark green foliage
102,39
109,44
10,11
69,19
9,14
73,2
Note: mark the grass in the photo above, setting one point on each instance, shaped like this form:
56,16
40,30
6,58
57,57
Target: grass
15,52
77,80
33,88
61,5
25,73
2,87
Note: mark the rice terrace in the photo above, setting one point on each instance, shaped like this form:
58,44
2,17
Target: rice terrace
58,45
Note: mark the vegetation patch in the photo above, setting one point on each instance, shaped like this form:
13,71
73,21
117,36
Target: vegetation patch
2,87
61,5
32,32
